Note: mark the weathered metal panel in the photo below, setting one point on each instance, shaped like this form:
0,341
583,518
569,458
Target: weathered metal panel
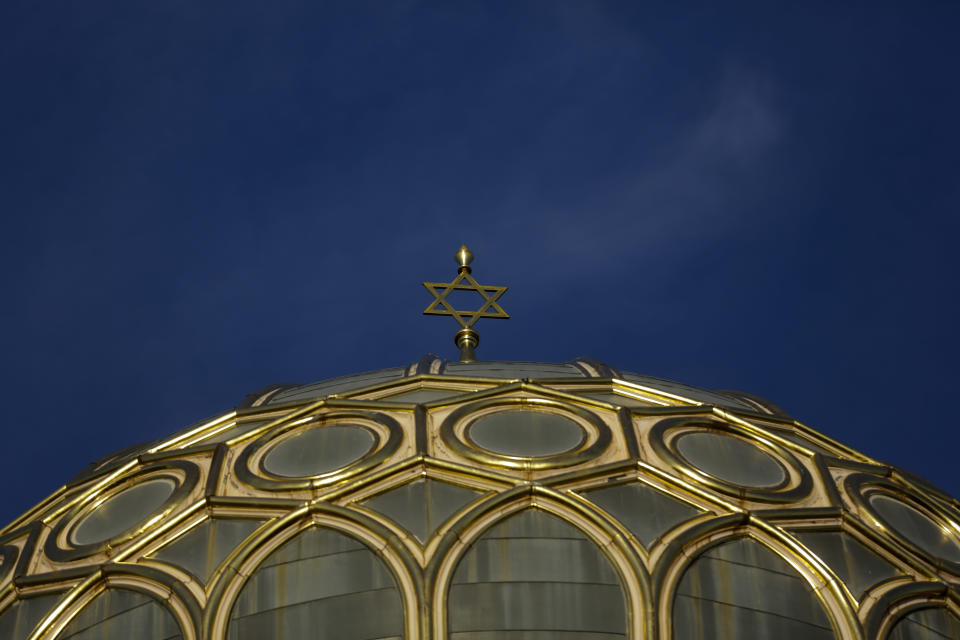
927,624
535,573
320,584
18,620
856,565
644,511
201,550
740,589
120,613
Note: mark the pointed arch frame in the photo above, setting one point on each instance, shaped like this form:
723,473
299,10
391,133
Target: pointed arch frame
456,542
904,600
829,591
174,596
245,560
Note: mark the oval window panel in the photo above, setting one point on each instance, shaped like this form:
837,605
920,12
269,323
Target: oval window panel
319,450
526,434
123,511
916,526
730,459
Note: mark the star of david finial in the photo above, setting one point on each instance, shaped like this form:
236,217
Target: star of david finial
467,338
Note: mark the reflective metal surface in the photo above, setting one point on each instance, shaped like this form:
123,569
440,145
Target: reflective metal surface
424,395
320,584
803,441
383,430
534,572
125,518
730,459
318,450
525,433
508,371
121,613
422,506
19,619
122,511
917,527
512,370
446,528
857,566
644,511
927,624
456,427
684,391
740,590
336,385
202,549
618,399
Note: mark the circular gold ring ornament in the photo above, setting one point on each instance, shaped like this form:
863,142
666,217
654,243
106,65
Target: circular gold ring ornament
61,545
385,433
456,427
795,484
867,490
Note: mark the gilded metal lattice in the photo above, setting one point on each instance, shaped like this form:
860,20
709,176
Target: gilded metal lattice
624,531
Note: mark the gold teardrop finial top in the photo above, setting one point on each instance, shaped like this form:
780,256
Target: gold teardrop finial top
464,258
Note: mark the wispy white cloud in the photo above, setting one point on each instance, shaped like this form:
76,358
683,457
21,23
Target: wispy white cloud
696,190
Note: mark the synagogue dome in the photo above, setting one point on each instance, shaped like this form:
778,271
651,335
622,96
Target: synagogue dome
481,500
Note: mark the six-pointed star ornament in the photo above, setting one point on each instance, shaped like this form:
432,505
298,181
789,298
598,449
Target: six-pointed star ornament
466,339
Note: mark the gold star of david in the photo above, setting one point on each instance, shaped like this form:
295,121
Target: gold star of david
466,339
465,282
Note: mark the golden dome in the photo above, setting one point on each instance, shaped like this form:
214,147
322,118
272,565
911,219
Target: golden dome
479,500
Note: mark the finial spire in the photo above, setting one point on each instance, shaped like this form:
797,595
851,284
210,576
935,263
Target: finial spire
464,258
466,339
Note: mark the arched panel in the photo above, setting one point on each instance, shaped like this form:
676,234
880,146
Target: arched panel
927,624
741,589
319,584
535,576
122,613
20,618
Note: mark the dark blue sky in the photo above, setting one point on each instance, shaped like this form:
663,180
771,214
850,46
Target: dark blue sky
200,199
